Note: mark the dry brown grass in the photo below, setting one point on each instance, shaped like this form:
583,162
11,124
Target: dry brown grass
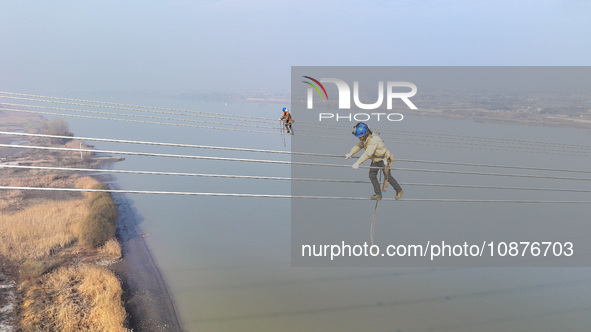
44,229
40,230
59,293
10,199
16,200
86,183
82,298
61,285
111,249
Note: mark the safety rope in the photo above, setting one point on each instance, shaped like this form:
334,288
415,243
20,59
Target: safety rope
383,191
373,220
282,133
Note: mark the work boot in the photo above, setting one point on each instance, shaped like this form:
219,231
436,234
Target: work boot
399,194
376,196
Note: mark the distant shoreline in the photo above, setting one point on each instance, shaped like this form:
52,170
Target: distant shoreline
562,120
558,120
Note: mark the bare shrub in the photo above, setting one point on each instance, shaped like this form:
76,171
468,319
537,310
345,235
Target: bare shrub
112,249
59,127
95,231
99,226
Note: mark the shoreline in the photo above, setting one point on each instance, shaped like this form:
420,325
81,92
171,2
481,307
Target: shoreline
148,302
146,299
515,118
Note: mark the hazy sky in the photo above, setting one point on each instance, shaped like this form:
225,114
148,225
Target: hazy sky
53,46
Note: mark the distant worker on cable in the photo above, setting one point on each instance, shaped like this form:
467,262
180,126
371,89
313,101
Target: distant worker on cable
377,152
287,120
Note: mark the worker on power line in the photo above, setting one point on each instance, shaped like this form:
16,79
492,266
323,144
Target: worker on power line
287,120
377,152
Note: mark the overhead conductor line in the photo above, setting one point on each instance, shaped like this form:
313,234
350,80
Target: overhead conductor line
289,196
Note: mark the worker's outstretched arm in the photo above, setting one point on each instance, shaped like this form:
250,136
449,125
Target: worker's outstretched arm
369,151
354,150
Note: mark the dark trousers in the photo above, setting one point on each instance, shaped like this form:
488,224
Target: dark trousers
373,176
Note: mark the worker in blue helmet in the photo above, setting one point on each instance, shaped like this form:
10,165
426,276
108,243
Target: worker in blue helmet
287,120
375,149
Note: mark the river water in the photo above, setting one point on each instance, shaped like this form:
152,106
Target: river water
227,261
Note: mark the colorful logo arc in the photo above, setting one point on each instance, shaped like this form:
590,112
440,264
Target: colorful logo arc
315,87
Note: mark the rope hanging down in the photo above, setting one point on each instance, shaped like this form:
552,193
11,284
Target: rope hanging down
373,221
384,188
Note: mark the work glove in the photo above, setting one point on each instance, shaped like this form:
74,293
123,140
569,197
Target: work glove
347,156
355,166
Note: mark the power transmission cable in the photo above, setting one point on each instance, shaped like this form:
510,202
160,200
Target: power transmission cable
417,142
140,121
184,193
340,133
166,155
313,197
324,127
124,105
219,116
256,177
135,115
269,120
282,152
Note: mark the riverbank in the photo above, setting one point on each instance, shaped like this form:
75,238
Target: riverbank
518,111
54,259
147,299
559,120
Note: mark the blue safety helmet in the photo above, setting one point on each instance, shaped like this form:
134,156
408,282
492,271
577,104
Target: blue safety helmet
360,129
285,109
